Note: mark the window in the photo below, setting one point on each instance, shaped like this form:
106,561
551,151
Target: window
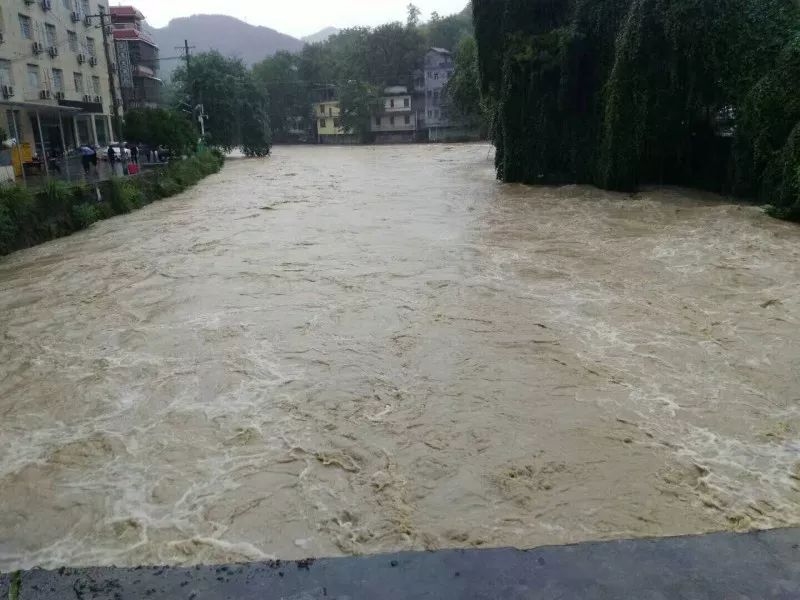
58,80
96,86
6,76
430,114
34,82
50,33
391,103
323,124
87,10
73,41
378,121
436,75
391,120
408,119
406,102
78,79
25,27
430,93
322,109
336,123
67,4
330,111
90,49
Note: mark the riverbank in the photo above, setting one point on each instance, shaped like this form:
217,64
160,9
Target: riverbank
28,218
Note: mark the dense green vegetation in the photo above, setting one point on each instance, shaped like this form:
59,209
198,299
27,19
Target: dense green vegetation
622,92
359,59
28,218
236,103
159,127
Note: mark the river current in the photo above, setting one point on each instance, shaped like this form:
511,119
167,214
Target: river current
353,350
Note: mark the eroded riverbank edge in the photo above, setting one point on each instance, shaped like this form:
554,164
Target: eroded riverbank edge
763,564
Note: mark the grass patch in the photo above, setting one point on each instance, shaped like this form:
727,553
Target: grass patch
27,219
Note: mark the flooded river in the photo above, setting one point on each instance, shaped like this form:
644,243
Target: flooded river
355,350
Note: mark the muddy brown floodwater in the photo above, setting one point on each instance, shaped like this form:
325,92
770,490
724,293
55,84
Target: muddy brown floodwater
354,350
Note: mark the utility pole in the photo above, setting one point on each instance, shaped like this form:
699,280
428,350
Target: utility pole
102,15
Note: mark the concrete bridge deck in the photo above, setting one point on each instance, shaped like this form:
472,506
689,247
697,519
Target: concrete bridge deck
723,566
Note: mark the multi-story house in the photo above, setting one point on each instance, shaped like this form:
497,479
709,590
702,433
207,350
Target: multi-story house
329,128
395,119
137,59
54,85
438,70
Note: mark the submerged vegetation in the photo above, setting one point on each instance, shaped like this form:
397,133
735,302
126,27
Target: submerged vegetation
28,218
622,92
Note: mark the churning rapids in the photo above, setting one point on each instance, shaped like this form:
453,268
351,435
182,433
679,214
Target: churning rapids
353,350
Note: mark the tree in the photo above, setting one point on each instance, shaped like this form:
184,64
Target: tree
357,102
160,127
289,94
464,89
447,32
619,92
414,14
234,102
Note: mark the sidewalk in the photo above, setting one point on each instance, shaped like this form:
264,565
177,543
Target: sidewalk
723,566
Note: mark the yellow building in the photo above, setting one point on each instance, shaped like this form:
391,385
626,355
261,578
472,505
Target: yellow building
328,123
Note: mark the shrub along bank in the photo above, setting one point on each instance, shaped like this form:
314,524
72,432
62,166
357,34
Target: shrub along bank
28,218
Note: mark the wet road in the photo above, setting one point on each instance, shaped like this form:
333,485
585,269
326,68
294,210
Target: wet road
353,350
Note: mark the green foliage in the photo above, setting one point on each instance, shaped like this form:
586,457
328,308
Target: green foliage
83,215
357,102
464,89
159,127
447,32
288,93
617,92
59,209
235,102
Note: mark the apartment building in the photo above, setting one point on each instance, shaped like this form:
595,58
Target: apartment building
395,119
137,58
439,68
55,92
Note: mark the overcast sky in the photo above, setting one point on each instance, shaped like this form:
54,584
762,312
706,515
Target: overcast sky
295,17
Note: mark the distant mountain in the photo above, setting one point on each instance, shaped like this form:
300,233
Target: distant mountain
320,36
228,35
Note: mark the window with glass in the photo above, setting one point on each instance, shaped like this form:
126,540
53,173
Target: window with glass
34,81
406,102
96,85
408,119
90,49
72,37
87,10
58,80
78,80
6,75
50,33
26,27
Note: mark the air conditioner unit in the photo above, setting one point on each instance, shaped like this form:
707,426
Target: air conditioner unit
44,94
53,51
38,47
87,98
87,20
75,16
93,62
60,95
8,91
47,5
81,59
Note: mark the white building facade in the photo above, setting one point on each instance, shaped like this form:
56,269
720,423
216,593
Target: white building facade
55,92
395,120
